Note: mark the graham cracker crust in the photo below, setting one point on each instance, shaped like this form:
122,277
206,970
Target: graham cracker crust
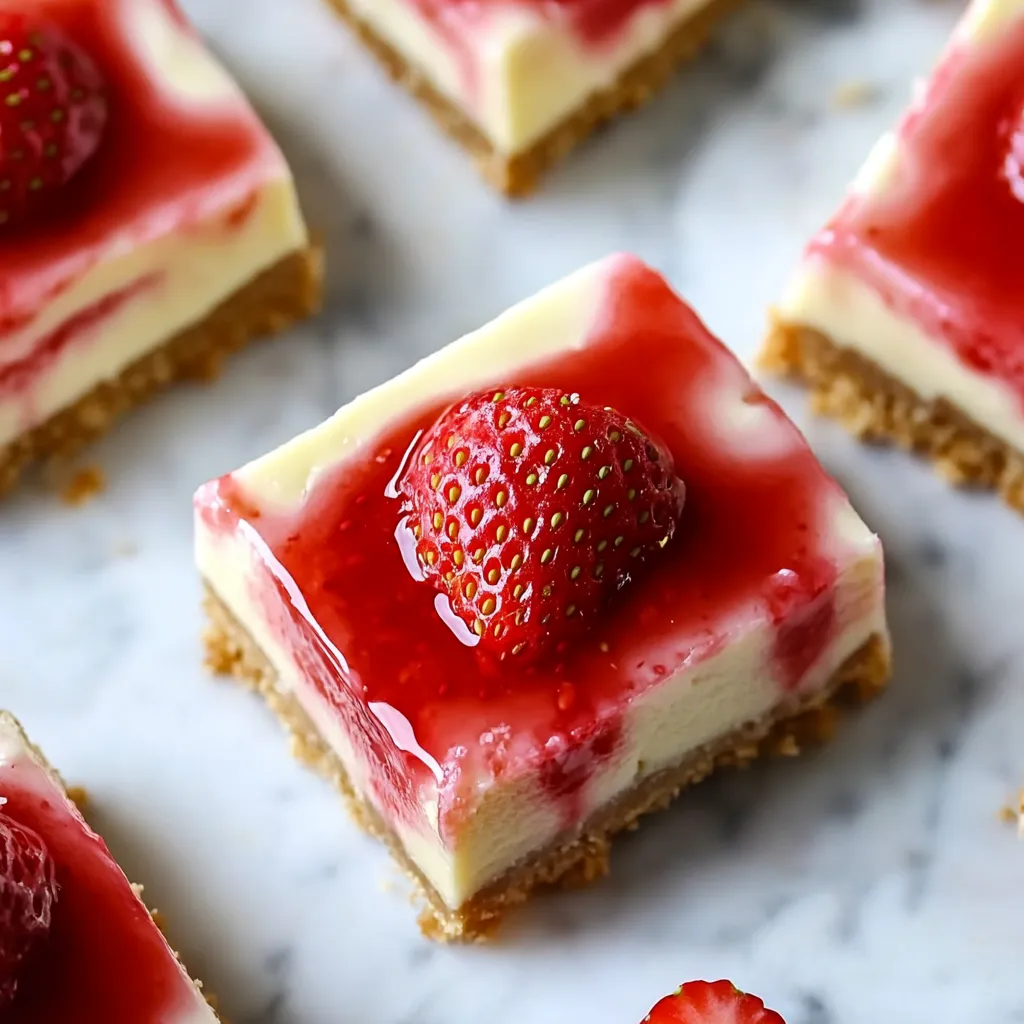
582,855
518,175
877,408
283,294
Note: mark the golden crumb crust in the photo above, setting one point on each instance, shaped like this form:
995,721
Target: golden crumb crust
875,407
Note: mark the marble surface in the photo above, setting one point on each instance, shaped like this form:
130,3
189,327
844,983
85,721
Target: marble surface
869,882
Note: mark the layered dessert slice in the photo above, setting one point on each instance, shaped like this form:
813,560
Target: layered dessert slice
76,941
148,222
531,588
906,316
520,82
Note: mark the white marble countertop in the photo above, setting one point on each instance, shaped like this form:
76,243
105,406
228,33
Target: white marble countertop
869,882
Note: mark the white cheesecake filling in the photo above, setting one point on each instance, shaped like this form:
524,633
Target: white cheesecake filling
828,297
149,282
517,72
701,702
31,773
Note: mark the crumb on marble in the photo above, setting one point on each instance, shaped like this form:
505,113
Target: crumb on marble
1011,814
786,746
79,797
83,485
854,93
125,549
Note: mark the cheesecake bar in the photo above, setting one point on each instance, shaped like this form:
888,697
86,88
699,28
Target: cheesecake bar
530,589
906,315
520,82
148,222
76,941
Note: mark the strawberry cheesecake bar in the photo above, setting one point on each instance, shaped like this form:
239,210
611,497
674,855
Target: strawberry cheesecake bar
531,588
148,222
906,316
76,941
520,82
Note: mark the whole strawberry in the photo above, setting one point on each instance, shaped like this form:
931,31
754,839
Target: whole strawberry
530,509
28,891
53,110
711,1002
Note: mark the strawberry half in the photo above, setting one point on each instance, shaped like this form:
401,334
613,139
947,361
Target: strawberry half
28,891
711,1002
53,110
530,509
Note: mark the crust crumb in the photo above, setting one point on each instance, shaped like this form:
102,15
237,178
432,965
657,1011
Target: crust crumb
786,746
853,94
79,797
83,485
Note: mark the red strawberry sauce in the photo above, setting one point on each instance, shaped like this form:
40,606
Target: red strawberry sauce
751,539
942,244
160,164
595,21
104,961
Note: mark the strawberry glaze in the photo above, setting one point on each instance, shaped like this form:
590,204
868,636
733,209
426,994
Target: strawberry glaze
163,164
752,545
594,21
104,961
942,244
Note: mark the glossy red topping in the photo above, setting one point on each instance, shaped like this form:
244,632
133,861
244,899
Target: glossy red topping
942,243
104,960
753,545
529,509
53,109
711,1002
28,891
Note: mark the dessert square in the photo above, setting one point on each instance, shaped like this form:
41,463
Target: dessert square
521,83
528,590
76,942
906,316
148,222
